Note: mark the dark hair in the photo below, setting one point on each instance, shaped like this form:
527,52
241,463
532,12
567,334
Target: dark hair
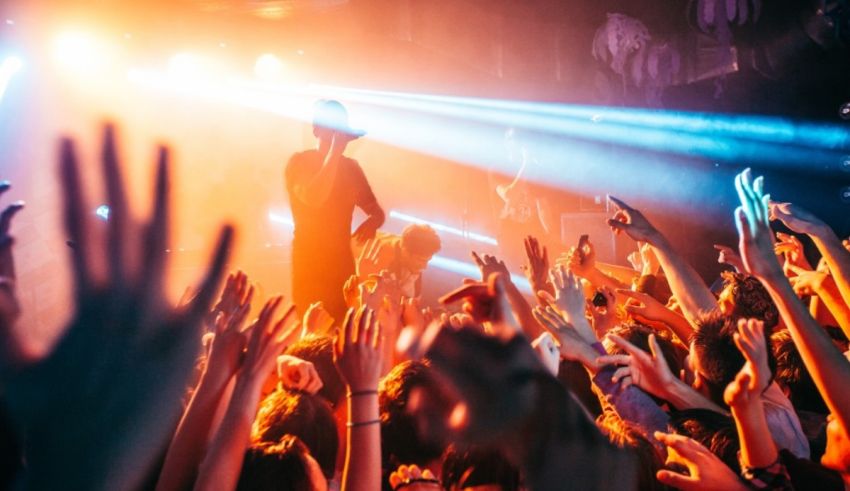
720,360
306,416
478,466
627,435
713,430
638,335
279,466
750,299
420,239
792,374
401,442
319,351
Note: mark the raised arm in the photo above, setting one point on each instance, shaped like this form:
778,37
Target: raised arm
829,245
315,190
829,369
357,354
222,464
190,441
685,283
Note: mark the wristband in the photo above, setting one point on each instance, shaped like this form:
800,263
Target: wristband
351,424
361,393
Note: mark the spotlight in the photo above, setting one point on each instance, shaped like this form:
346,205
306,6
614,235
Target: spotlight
8,68
845,163
78,51
844,111
184,65
845,194
268,67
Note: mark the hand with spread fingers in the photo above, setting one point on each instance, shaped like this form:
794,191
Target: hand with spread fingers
791,249
547,350
537,267
753,221
706,472
796,218
126,356
569,300
487,303
370,258
649,371
570,343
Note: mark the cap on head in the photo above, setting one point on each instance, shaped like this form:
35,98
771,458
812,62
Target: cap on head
331,114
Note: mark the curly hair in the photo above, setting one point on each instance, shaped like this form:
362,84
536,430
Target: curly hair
750,299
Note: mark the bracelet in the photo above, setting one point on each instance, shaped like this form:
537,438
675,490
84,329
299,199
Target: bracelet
361,393
362,423
408,482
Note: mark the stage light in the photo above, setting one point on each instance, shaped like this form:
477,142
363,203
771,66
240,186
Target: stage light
185,65
268,67
79,52
281,219
469,270
102,212
9,67
844,111
444,228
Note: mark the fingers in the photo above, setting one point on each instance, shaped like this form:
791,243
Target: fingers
678,481
614,360
156,240
209,285
7,215
477,259
75,216
621,373
116,198
621,205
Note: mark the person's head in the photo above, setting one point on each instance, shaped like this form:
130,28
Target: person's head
285,465
419,243
713,430
626,435
329,117
308,417
478,468
401,442
714,359
638,335
744,297
319,351
793,376
837,454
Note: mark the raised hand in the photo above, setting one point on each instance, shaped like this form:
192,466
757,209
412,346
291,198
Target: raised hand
229,339
537,267
369,260
357,351
7,265
547,350
125,358
486,302
649,259
791,248
11,352
571,345
796,218
297,374
750,340
808,283
649,371
317,320
488,265
727,255
569,300
632,222
752,219
706,472
268,340
351,292
236,294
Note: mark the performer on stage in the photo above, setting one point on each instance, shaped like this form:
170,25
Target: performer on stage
324,187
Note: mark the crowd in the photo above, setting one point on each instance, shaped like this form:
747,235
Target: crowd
595,383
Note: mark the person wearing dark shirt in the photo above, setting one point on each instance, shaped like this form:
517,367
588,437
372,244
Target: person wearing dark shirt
324,186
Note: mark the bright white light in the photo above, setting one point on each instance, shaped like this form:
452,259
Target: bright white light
444,228
10,22
102,212
268,67
282,219
185,65
79,51
9,67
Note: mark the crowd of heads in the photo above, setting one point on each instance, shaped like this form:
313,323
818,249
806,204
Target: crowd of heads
599,379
